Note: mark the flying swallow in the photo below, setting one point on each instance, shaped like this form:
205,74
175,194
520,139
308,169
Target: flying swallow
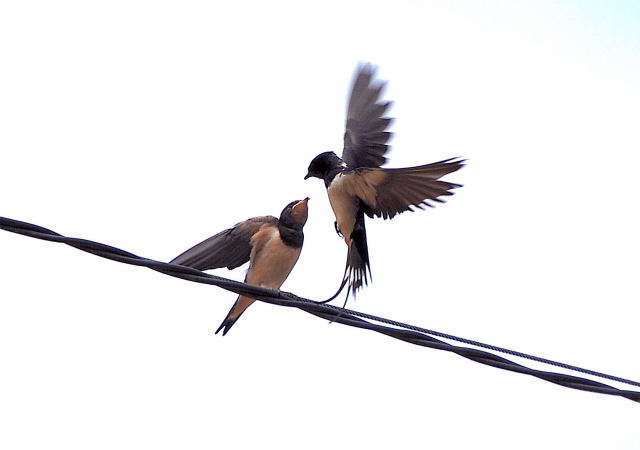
272,247
357,185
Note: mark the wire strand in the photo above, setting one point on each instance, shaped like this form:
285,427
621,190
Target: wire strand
405,332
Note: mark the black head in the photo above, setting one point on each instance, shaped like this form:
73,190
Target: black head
294,215
323,164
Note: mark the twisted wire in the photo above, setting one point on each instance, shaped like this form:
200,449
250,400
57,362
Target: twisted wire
405,332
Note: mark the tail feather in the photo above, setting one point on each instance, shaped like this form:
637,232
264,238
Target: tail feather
231,318
358,257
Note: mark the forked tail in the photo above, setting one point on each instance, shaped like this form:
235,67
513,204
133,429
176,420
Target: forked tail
234,314
358,257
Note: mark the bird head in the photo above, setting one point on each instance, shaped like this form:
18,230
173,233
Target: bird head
295,214
322,164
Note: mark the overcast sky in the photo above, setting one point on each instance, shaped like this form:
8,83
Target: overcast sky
153,125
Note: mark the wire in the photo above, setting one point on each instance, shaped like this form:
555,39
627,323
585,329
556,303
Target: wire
405,332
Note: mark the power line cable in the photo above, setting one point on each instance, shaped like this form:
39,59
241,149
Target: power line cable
405,332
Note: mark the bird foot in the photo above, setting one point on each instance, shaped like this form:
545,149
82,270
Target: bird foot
335,224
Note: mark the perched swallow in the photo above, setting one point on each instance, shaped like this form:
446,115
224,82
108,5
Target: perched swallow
272,247
356,185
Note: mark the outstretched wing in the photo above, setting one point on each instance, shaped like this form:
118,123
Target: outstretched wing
365,138
230,248
387,192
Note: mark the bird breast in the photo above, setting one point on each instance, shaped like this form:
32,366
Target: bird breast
344,202
271,259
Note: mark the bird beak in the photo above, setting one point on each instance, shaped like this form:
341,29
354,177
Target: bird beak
307,176
300,209
301,204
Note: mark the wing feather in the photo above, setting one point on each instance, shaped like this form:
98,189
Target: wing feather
230,248
365,138
393,191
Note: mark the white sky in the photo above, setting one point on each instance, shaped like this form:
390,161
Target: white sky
153,125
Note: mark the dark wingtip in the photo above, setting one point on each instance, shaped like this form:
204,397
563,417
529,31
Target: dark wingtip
459,160
366,67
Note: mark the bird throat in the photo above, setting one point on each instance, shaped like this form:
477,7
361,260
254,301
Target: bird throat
290,236
331,174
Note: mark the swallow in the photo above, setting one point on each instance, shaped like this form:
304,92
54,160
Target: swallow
357,185
272,247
